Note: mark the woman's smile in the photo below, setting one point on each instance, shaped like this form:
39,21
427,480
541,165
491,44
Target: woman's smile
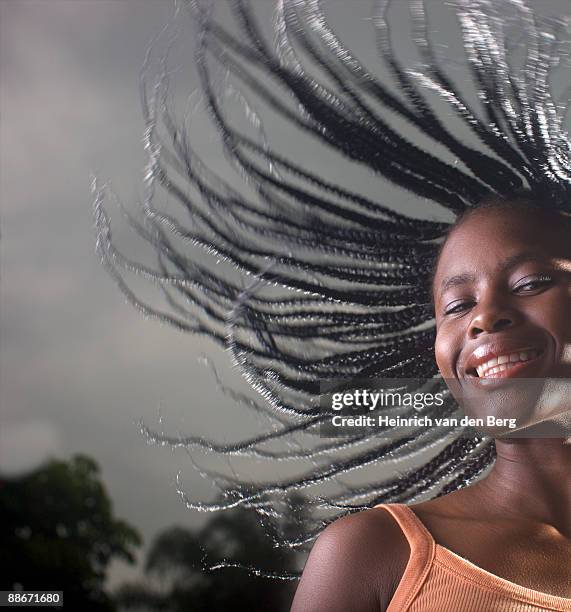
502,301
498,360
508,365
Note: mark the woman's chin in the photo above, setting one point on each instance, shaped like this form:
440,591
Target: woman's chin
533,407
557,426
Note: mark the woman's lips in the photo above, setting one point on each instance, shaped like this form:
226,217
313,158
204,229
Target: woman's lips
516,369
502,365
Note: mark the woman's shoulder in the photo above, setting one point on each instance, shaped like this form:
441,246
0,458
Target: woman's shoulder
374,537
356,563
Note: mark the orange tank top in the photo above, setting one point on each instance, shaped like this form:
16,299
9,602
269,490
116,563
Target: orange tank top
437,580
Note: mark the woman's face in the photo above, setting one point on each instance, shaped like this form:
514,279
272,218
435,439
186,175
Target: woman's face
502,294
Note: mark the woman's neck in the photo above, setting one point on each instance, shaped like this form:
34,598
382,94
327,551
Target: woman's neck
531,479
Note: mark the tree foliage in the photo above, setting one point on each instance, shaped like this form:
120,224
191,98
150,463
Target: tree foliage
59,532
176,579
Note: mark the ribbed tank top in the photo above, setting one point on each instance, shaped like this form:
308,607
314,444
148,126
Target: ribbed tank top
437,580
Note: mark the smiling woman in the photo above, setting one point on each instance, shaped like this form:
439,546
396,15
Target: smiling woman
308,275
502,299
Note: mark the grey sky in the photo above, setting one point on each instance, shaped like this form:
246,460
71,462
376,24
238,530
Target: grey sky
78,367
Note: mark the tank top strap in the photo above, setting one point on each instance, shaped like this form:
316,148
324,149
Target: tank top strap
412,527
422,551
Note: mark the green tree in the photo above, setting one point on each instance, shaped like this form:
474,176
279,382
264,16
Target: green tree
176,581
59,532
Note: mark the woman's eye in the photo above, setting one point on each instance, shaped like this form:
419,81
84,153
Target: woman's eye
457,307
533,284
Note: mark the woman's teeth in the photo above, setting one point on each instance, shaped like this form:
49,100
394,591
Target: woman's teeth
504,362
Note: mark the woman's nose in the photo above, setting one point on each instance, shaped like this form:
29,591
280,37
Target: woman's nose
491,319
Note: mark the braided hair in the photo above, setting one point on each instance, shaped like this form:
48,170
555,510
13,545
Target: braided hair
304,280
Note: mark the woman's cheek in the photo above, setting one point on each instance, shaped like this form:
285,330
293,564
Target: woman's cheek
443,351
554,315
557,319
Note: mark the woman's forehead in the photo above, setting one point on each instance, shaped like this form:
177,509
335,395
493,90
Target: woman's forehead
497,234
509,225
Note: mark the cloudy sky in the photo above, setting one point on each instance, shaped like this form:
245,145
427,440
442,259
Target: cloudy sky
78,366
